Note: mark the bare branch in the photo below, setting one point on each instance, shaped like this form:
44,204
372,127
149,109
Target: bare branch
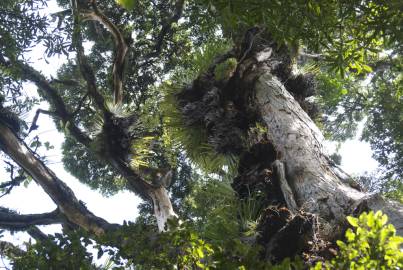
34,126
11,220
15,181
37,234
121,50
58,191
80,104
85,68
65,82
279,170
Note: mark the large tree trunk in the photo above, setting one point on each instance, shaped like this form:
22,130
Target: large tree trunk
307,197
316,186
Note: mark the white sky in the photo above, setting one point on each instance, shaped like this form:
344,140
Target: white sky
356,159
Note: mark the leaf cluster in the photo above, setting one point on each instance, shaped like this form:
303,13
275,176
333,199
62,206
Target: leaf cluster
370,244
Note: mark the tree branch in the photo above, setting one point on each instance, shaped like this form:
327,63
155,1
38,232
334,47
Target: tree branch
15,181
121,50
85,68
34,126
58,191
80,104
51,95
167,26
279,170
165,30
10,220
37,234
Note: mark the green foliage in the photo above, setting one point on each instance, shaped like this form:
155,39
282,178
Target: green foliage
64,252
87,167
179,135
370,244
384,127
347,33
393,189
342,101
225,70
127,4
210,239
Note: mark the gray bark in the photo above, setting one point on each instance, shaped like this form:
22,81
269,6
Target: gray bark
315,185
58,191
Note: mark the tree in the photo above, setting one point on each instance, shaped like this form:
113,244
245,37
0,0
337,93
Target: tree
242,107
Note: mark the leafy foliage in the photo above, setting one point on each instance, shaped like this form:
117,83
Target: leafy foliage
58,252
177,134
393,189
371,244
218,231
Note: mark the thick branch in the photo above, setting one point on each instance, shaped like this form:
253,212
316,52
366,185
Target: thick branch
58,191
85,68
120,54
12,221
51,95
37,234
135,182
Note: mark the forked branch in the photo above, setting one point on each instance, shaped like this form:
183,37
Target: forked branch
121,47
120,53
57,190
51,95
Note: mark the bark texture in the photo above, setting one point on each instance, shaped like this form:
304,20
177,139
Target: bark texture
58,191
261,114
316,186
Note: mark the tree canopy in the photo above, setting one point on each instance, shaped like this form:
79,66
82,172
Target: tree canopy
163,98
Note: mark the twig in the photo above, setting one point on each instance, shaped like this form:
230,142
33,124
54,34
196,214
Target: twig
34,126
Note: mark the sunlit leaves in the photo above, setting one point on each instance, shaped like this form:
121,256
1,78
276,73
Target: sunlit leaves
127,4
371,243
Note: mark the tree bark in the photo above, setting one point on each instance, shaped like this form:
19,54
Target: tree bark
163,209
58,191
316,186
257,115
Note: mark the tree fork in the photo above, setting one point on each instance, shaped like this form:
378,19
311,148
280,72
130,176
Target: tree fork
58,191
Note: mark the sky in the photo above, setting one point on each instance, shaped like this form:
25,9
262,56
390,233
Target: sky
356,159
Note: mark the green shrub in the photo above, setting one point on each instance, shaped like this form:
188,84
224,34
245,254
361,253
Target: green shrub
370,244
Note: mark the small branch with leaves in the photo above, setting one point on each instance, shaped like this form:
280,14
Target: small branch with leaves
14,182
166,30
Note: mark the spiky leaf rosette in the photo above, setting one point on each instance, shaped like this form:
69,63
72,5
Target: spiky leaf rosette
177,132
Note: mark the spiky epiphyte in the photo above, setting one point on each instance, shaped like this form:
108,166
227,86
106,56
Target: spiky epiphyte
186,124
9,118
115,136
